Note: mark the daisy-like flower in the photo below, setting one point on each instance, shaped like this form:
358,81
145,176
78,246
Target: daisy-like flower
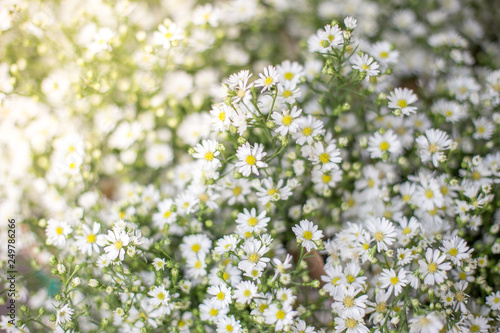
226,244
478,324
384,145
207,152
308,129
7,325
90,240
307,234
401,99
350,23
431,146
331,36
168,34
64,314
433,268
493,301
429,323
254,251
195,245
456,250
351,324
328,158
210,312
57,231
221,117
279,316
269,191
300,326
228,325
384,53
245,291
159,264
160,297
365,63
348,303
267,79
383,232
393,281
484,128
241,77
165,215
221,295
250,159
118,240
290,71
287,121
288,92
249,221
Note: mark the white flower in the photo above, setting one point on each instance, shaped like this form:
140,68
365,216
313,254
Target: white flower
159,264
383,52
431,145
118,240
402,99
210,312
383,232
168,34
287,121
159,297
307,233
351,324
493,301
267,79
350,23
279,316
207,152
290,71
456,250
393,281
195,245
348,303
57,231
90,240
250,159
429,323
221,295
245,291
226,244
381,145
308,128
366,64
158,155
228,325
484,128
249,221
165,214
328,158
253,257
433,268
64,314
268,191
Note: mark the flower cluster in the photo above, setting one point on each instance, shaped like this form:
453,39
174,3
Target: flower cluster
232,167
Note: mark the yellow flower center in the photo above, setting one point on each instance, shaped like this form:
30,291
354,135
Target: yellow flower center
453,252
268,81
221,296
222,116
247,293
209,156
225,276
307,131
379,235
383,54
251,159
432,268
429,194
381,307
280,315
229,328
252,221
384,146
365,67
197,265
394,280
167,214
324,158
402,103
288,76
59,230
350,278
287,120
272,191
326,178
118,245
91,238
475,175
348,302
254,258
237,190
286,94
474,328
308,235
161,296
406,231
350,323
196,247
214,312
